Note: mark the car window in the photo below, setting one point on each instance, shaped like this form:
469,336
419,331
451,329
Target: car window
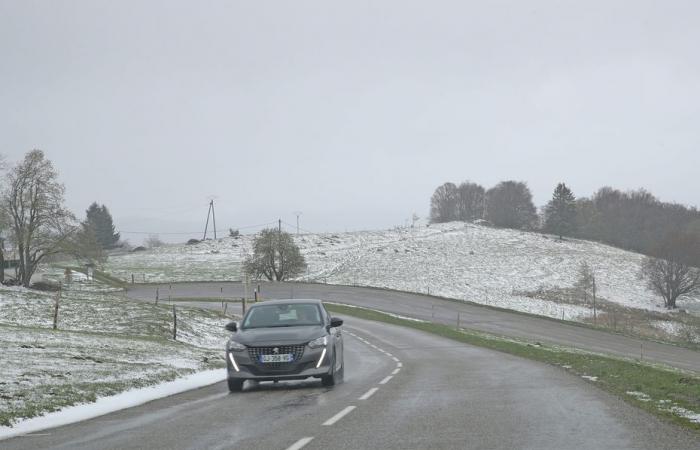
298,314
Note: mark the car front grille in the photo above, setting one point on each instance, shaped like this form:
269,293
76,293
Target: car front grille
296,350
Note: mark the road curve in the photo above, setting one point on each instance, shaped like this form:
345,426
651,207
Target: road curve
471,316
403,389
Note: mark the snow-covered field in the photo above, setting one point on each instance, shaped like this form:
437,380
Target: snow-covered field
105,345
455,260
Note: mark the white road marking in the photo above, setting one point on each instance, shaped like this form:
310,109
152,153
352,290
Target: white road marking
339,416
389,354
300,443
399,365
395,359
386,380
369,393
397,370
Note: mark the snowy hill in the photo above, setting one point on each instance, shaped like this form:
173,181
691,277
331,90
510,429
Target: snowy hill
463,261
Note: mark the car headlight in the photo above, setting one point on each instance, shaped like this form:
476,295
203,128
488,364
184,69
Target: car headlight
320,342
234,346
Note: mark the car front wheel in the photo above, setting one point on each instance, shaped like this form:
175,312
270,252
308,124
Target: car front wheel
235,385
335,377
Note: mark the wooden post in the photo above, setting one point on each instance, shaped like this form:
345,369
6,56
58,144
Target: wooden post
157,294
243,306
225,308
245,287
55,309
595,319
132,278
174,324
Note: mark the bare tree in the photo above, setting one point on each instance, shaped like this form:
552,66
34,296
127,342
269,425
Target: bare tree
275,257
39,222
586,285
669,274
443,203
153,241
509,205
85,246
470,201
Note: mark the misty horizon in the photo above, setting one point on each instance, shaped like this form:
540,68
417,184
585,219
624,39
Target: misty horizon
350,113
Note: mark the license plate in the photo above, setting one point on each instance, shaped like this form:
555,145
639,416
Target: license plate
284,357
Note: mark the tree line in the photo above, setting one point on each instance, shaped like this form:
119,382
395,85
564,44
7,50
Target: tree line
667,233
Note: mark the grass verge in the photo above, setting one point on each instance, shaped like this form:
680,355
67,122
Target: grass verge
669,393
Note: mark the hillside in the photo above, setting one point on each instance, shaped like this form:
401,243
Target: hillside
499,267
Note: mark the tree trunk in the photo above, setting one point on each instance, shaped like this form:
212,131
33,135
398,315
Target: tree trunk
2,262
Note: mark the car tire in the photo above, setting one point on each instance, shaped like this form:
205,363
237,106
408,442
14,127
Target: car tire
235,385
335,377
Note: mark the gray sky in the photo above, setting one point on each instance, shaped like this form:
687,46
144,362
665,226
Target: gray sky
352,112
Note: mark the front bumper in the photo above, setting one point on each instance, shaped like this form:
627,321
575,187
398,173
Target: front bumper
304,367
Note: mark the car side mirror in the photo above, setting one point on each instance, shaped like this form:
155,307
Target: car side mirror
336,322
232,326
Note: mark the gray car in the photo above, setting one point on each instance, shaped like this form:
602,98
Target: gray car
285,340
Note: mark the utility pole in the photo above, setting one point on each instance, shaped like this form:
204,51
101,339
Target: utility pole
297,213
279,227
210,212
213,217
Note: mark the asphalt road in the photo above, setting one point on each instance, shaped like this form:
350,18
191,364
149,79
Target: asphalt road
403,389
476,317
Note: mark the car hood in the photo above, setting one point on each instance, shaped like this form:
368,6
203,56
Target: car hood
278,336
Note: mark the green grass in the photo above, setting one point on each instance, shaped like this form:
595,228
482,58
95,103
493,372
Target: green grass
663,387
201,300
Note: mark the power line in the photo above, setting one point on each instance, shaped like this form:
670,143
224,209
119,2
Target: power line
294,226
247,227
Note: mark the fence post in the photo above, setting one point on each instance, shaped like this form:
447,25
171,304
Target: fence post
55,309
132,278
225,308
157,295
174,324
243,306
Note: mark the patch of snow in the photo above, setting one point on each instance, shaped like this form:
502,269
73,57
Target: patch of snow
688,414
106,405
641,396
590,378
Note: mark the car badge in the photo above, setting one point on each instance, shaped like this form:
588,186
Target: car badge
275,350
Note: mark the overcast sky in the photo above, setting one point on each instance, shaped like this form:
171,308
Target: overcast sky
351,112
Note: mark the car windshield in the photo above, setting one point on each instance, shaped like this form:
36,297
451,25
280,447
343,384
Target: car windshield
285,315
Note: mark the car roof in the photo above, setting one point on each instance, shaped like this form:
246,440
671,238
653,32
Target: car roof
288,301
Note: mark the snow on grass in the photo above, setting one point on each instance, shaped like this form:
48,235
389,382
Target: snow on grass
455,260
678,330
106,405
641,396
105,345
688,414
